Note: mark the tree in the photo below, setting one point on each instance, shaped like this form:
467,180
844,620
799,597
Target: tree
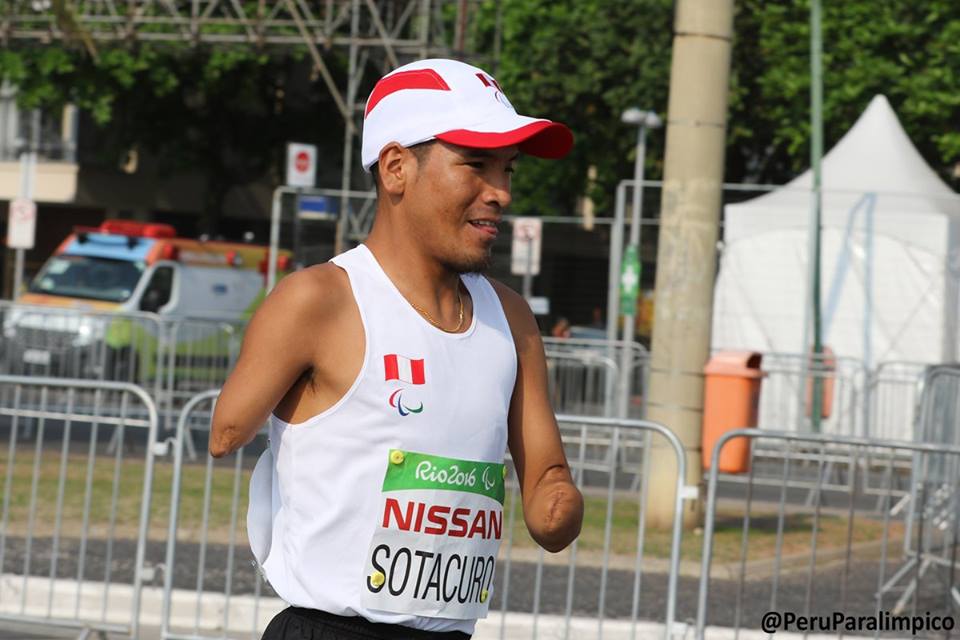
226,111
908,51
220,112
583,61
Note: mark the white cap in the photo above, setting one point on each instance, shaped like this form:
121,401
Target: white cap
454,102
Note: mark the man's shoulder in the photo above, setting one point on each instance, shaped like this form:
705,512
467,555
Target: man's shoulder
324,279
512,301
313,292
515,308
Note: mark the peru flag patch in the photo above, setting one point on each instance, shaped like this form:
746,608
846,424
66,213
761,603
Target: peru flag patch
403,369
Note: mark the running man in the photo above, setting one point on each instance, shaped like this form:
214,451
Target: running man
395,376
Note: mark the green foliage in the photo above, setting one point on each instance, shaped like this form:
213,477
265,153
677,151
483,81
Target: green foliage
909,52
221,112
583,62
225,111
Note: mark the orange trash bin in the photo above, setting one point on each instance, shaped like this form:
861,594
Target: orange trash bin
731,396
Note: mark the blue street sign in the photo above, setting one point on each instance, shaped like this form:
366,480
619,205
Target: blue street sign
316,208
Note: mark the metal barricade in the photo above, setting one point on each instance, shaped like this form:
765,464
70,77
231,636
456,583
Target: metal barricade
173,359
935,501
214,591
581,383
894,388
785,395
212,588
584,378
612,350
82,344
73,529
939,405
596,586
772,548
200,354
786,399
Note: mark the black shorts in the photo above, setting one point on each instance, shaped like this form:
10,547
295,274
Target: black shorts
294,623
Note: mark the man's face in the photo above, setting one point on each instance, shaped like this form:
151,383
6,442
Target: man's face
457,201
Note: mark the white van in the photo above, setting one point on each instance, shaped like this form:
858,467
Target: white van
111,299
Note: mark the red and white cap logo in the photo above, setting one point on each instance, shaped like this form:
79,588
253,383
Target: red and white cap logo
457,103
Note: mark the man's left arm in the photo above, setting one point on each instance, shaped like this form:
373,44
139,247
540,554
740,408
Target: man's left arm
552,504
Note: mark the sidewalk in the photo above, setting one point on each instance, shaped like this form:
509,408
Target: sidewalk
244,608
518,626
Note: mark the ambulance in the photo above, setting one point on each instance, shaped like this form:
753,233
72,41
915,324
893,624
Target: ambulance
109,296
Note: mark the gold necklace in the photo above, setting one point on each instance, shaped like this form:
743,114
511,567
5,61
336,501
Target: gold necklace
430,319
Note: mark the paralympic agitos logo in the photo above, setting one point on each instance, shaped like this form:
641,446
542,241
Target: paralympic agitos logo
396,401
407,370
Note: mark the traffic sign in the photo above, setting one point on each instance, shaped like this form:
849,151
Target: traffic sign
525,251
21,224
316,208
629,282
301,165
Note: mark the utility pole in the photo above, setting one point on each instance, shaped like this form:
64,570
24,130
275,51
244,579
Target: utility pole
816,153
689,226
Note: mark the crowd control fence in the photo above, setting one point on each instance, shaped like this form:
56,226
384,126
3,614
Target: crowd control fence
634,384
937,499
78,465
77,548
604,573
584,378
938,413
66,342
171,358
214,589
868,545
582,383
175,358
895,389
786,394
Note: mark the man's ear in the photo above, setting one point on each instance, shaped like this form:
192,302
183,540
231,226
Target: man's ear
393,169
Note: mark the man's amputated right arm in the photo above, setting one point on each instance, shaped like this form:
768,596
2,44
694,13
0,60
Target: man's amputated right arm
277,349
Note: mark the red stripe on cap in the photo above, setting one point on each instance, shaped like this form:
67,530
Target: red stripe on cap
415,79
543,139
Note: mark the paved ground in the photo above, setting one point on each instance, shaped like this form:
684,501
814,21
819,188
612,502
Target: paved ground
827,595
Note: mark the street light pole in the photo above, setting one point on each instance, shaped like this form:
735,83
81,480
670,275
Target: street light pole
632,266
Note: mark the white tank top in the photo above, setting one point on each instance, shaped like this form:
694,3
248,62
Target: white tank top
388,505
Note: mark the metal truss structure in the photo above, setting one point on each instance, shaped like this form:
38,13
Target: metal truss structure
374,35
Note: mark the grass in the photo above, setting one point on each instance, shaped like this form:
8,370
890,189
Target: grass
109,477
123,478
728,532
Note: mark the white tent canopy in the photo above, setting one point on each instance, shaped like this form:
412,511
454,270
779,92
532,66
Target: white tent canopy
890,255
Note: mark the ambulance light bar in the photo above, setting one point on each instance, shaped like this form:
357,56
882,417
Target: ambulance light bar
137,229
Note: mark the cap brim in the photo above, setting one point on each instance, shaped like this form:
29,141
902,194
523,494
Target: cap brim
543,139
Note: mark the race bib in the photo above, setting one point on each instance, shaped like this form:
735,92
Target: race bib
434,549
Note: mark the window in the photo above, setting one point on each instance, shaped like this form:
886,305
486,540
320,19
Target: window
88,277
158,291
